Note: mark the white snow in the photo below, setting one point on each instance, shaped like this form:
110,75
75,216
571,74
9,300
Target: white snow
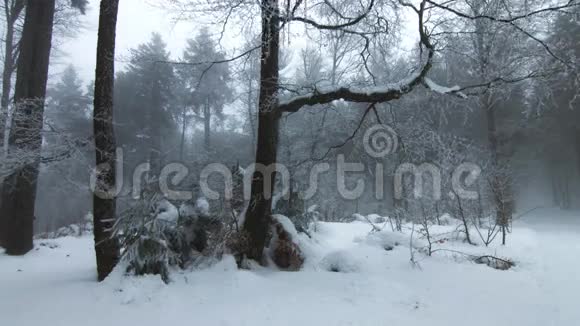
167,211
312,208
202,206
55,283
442,89
369,91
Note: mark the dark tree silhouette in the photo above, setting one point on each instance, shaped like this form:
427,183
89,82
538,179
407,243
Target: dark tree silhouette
104,203
19,188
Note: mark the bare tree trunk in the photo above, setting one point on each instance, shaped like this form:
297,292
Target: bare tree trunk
258,215
183,126
6,82
19,189
106,248
154,132
577,142
500,179
207,126
12,9
250,114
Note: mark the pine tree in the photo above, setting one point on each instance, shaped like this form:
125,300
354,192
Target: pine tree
207,83
68,106
144,92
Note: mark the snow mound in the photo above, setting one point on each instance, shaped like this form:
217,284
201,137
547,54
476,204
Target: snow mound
340,262
377,219
386,240
359,218
284,248
287,225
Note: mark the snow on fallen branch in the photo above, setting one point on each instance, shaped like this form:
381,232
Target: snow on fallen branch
491,261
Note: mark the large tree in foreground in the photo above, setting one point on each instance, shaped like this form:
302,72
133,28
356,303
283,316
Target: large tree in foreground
257,220
19,188
25,138
104,203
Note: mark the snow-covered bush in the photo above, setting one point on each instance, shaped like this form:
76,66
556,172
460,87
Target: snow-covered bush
195,223
386,239
148,235
156,236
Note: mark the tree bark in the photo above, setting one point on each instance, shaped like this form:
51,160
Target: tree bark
251,115
207,126
154,131
183,126
13,9
500,178
19,189
259,212
577,143
11,15
104,207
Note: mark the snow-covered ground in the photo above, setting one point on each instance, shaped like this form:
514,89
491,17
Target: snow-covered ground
56,286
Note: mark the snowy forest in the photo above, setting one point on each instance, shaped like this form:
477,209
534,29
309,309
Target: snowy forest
288,162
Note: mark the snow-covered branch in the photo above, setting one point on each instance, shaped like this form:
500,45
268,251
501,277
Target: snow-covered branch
377,94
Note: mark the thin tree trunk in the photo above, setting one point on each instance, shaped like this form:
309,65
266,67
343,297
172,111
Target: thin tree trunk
577,142
6,82
500,179
258,215
12,12
19,189
106,248
183,126
155,131
207,126
251,116
13,9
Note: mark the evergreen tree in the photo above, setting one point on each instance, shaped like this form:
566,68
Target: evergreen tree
68,108
144,92
206,82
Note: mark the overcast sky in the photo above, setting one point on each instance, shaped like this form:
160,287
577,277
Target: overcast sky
136,21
